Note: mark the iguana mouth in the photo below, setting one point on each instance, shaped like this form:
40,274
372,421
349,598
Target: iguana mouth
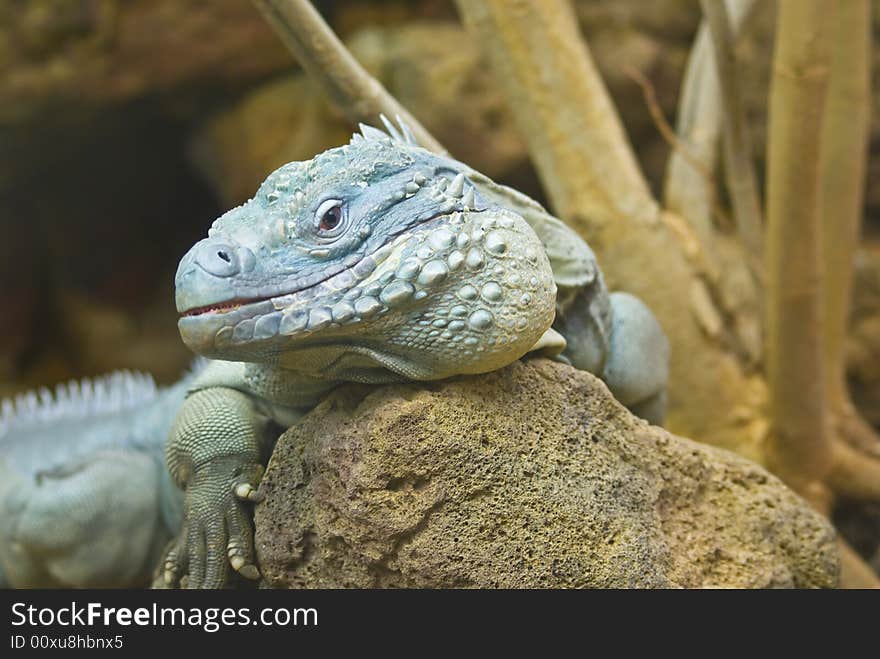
222,307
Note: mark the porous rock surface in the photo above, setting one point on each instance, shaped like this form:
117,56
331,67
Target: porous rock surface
532,476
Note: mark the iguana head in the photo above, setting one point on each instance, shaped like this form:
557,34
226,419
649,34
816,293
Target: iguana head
374,255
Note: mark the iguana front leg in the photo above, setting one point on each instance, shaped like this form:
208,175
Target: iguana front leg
216,453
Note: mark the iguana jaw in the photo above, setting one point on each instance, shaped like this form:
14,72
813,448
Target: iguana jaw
222,307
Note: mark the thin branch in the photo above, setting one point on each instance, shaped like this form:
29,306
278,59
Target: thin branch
741,180
799,449
666,131
854,474
851,427
854,571
323,56
672,140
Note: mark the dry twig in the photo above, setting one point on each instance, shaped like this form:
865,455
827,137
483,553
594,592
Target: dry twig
698,125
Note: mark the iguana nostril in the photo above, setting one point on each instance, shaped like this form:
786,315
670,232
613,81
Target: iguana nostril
218,258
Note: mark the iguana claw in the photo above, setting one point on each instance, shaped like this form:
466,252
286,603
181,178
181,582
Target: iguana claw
247,492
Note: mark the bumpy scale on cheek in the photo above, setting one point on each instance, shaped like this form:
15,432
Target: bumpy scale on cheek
486,289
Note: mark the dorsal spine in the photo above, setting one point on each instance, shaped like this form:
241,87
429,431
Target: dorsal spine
77,399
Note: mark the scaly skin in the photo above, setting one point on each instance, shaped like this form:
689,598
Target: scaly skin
85,499
374,262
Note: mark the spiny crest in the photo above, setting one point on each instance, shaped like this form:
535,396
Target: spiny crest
383,150
373,151
77,399
400,133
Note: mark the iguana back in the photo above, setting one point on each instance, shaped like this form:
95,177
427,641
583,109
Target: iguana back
85,499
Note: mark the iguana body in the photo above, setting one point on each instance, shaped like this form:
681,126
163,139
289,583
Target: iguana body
373,262
85,498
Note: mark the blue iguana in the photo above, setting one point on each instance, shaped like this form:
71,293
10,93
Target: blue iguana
375,262
85,497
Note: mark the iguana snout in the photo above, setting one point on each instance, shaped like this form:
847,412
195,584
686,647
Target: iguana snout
206,276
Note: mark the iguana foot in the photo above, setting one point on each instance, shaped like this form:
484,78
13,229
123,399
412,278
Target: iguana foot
215,455
217,531
616,337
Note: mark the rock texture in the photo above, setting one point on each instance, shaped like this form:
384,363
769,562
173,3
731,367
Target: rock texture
532,476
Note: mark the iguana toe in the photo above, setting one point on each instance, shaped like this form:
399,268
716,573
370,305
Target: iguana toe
172,568
245,486
240,548
247,492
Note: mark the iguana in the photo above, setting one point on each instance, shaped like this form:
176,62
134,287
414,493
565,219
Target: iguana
85,497
377,261
373,262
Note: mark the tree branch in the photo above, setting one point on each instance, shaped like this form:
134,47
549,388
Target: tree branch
741,180
799,449
323,56
562,109
854,572
854,474
659,119
845,134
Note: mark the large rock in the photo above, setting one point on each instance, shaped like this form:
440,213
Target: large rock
532,476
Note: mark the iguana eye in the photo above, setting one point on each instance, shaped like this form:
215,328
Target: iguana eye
329,215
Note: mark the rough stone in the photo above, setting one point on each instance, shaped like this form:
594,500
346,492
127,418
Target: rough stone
531,476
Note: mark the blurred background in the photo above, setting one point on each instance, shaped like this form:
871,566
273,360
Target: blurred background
127,126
